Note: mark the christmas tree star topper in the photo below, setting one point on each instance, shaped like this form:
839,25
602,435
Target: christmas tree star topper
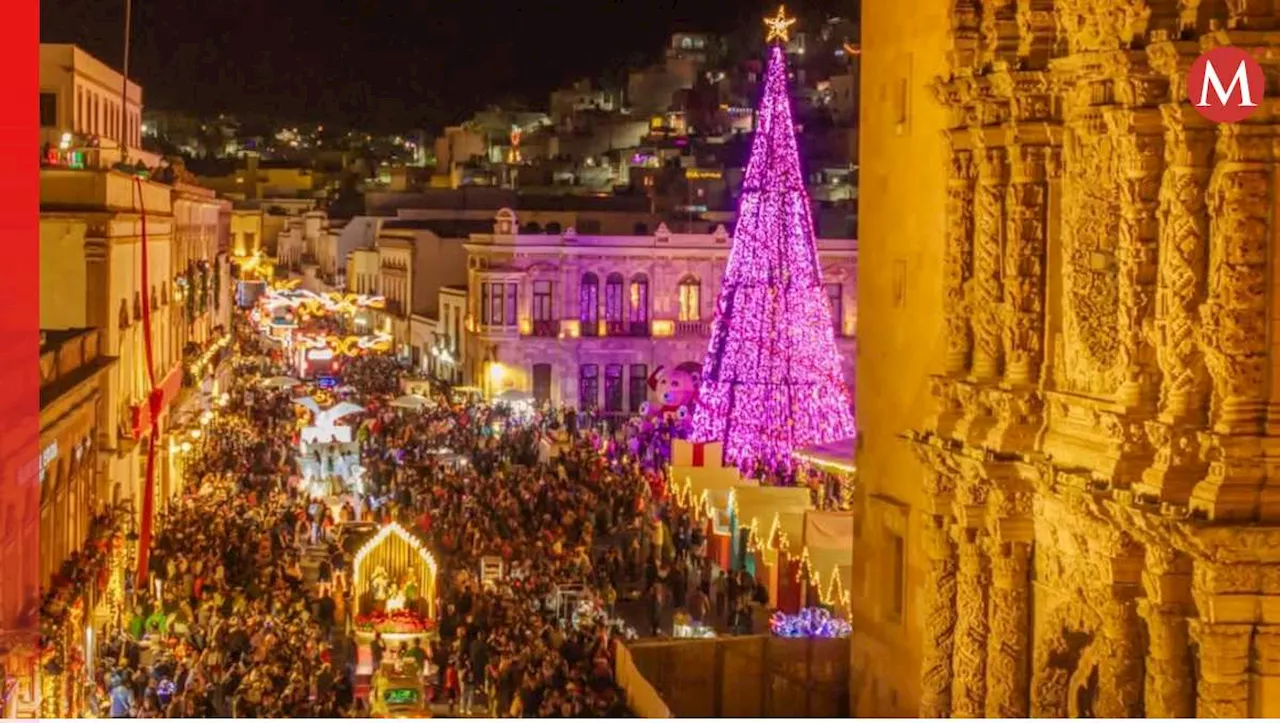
779,26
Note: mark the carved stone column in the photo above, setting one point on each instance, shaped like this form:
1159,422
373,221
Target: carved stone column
1183,268
1266,666
987,264
1141,140
1169,690
1120,669
1222,690
939,618
958,265
1234,317
1026,208
1234,321
1010,623
969,665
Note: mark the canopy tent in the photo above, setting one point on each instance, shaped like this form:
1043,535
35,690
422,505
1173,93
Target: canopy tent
410,401
828,553
280,382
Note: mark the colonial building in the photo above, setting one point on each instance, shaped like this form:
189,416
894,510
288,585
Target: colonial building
587,320
202,231
73,371
85,119
416,259
1070,267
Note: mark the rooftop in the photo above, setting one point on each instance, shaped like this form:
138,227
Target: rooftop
444,228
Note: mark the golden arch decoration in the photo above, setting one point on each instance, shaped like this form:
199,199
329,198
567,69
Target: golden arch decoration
399,553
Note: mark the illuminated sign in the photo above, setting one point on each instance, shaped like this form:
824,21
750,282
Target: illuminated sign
319,354
326,382
400,696
699,174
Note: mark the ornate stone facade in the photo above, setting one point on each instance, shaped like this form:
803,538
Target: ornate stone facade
1099,516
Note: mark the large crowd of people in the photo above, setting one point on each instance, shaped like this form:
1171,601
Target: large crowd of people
229,625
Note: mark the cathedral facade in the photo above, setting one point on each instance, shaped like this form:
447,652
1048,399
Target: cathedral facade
1091,521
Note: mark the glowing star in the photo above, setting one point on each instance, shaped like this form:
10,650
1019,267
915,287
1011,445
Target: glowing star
779,26
772,380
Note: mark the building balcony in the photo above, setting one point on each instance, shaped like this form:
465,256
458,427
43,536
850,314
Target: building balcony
627,328
544,328
692,328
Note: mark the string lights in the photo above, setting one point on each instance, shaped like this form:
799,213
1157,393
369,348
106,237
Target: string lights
809,623
772,381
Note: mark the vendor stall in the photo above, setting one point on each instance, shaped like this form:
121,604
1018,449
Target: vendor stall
827,561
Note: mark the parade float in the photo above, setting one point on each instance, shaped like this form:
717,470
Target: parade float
328,453
394,580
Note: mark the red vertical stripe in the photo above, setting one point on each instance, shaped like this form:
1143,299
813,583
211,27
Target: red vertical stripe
699,454
20,320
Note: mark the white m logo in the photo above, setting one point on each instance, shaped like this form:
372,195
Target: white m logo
1241,79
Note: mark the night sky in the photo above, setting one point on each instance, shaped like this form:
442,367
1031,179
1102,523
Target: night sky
379,64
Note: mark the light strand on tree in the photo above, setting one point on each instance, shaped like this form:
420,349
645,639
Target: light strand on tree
772,381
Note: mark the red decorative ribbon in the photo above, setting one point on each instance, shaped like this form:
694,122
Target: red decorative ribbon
155,403
699,454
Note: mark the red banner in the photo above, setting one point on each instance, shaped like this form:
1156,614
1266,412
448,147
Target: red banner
141,418
155,401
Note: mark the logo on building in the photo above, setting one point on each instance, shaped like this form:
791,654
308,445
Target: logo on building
1225,85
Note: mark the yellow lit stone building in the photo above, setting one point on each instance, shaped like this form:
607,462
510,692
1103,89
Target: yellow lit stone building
1068,429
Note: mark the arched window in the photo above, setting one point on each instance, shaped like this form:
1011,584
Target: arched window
589,304
638,303
690,299
641,229
533,228
553,228
613,298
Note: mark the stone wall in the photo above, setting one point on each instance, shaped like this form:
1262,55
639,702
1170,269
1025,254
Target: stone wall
1097,516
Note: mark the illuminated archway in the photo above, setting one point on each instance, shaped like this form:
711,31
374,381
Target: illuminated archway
400,553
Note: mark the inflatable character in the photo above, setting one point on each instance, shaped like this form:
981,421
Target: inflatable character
677,390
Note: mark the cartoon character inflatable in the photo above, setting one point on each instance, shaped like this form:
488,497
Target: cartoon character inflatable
677,390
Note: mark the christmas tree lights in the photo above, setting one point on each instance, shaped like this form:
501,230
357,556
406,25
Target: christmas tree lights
772,381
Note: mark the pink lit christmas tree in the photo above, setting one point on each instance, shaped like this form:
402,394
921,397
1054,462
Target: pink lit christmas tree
772,380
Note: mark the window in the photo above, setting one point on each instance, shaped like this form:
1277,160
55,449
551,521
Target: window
834,300
484,304
639,383
542,301
613,388
48,110
79,119
513,298
639,298
589,304
588,387
613,298
495,304
690,299
899,562
542,383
